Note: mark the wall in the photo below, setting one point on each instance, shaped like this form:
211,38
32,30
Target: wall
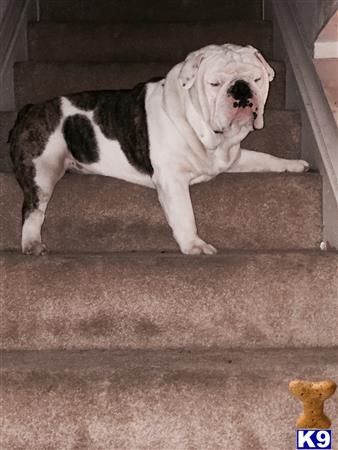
14,16
326,45
326,62
313,15
3,6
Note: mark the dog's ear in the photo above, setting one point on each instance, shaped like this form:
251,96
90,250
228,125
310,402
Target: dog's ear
269,70
189,69
262,60
267,67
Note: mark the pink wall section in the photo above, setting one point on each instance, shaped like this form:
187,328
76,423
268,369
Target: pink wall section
330,31
327,70
326,62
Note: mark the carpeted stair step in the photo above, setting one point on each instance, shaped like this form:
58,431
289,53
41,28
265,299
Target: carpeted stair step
152,300
101,214
271,139
169,41
38,81
151,10
226,399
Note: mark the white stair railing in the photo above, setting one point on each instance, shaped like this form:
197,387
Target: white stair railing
315,108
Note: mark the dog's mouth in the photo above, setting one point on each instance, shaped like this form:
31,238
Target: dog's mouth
254,115
246,112
246,119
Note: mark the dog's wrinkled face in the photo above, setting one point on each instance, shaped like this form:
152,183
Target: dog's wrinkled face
228,84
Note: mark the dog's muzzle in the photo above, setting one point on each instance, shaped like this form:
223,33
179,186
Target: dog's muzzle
244,97
241,93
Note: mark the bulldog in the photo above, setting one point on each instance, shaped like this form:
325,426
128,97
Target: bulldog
165,134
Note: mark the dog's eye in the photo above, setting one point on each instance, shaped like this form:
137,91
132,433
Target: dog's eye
215,84
257,79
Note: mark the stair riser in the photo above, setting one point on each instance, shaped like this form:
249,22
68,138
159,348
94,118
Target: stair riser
157,301
140,42
271,139
242,405
152,10
7,120
250,211
35,82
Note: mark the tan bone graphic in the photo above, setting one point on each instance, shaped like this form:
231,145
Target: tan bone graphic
312,395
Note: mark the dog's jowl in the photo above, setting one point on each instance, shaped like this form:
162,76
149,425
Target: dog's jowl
166,134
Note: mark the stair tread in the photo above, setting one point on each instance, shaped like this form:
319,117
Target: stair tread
169,41
39,81
136,10
157,399
153,300
252,210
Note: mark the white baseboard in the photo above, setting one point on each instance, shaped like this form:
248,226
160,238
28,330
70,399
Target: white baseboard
324,50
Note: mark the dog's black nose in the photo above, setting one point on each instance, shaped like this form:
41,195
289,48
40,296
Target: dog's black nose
241,92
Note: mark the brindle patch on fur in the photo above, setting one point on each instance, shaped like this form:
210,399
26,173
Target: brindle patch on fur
121,116
80,138
28,139
89,100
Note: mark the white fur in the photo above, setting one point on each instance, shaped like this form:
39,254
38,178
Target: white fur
183,112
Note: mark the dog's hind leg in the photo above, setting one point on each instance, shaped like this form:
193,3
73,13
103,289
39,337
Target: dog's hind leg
33,214
38,153
38,191
36,198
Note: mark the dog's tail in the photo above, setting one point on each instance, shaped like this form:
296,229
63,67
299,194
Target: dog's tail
20,116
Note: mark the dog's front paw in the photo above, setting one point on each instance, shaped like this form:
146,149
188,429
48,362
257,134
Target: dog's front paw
35,248
297,165
198,247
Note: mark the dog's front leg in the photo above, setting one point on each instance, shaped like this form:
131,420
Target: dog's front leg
174,196
250,161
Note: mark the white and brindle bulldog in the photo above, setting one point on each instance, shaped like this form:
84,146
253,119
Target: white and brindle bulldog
166,134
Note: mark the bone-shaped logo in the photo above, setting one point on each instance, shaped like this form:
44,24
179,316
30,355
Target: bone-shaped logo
312,395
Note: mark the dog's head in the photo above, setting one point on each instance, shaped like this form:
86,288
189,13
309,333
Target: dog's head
228,84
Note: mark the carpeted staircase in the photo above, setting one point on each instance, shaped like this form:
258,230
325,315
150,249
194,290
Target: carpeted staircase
115,340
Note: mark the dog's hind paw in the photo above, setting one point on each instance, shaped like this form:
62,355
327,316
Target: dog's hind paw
34,248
